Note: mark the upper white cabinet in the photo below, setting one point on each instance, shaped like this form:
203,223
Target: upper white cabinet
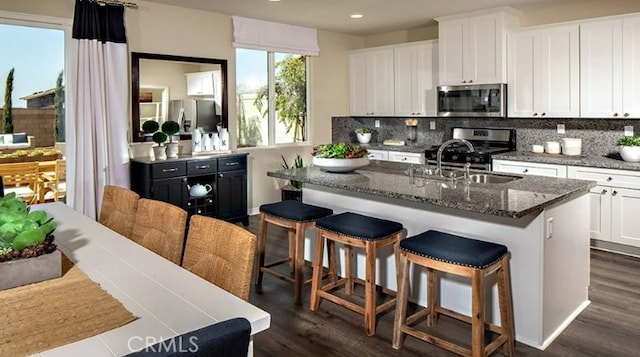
416,79
371,82
544,72
203,83
610,68
473,46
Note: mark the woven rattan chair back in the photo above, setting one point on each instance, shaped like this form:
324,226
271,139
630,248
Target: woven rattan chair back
118,210
160,227
220,252
21,178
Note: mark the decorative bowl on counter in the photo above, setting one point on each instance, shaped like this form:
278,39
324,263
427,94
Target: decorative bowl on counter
629,147
340,165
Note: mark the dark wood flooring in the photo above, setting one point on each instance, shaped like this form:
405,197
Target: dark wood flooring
610,326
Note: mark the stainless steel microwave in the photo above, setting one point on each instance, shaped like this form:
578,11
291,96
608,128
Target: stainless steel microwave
477,100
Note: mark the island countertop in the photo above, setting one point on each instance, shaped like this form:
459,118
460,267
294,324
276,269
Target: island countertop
514,199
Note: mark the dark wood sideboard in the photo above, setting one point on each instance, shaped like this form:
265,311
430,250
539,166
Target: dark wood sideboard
169,180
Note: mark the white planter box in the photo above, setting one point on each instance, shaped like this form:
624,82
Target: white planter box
31,270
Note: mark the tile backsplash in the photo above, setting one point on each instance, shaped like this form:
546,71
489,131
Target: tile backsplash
599,136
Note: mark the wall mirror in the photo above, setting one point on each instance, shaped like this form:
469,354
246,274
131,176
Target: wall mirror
189,90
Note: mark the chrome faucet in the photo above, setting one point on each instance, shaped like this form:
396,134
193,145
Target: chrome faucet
444,145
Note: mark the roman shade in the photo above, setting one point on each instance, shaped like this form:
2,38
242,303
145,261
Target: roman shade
274,37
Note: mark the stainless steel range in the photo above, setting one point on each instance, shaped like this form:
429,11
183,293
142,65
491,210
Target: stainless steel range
485,141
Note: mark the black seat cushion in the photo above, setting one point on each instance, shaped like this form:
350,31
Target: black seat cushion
454,249
359,226
229,338
295,211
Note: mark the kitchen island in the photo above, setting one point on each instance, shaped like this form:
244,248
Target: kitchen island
543,221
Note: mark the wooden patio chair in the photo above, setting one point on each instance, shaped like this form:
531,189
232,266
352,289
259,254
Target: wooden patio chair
54,183
118,210
160,227
222,253
21,178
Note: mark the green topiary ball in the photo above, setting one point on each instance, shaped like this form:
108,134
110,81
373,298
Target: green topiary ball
150,126
170,127
159,137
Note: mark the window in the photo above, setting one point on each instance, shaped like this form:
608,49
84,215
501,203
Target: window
271,98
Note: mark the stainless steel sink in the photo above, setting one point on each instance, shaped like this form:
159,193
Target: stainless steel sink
492,178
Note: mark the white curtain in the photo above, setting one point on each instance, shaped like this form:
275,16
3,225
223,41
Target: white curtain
97,134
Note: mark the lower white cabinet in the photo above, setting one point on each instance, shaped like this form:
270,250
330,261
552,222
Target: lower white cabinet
397,156
530,168
615,203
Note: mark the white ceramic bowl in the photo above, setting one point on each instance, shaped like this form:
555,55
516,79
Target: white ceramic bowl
364,138
630,153
340,165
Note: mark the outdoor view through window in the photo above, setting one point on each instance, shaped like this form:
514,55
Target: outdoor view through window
265,120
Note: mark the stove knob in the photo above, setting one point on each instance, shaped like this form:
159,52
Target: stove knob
468,159
477,159
454,157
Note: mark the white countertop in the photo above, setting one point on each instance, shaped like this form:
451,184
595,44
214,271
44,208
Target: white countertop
168,300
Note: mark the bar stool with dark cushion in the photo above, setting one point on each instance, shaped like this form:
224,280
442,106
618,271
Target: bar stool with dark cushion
296,217
475,259
354,231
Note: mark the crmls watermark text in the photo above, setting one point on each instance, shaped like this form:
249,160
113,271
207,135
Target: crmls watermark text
182,344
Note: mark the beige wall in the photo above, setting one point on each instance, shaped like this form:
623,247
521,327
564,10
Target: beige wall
172,30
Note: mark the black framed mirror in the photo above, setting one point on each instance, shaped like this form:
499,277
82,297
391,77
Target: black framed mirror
189,90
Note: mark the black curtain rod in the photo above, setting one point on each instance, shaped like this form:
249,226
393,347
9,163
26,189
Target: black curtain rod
116,3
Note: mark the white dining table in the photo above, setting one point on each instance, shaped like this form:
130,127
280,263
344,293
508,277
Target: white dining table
168,299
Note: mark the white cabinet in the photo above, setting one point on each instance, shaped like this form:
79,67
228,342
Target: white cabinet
203,83
473,48
544,72
416,79
615,203
378,155
529,168
408,157
610,68
371,82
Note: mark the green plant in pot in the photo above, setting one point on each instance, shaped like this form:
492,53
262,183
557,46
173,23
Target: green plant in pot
292,191
158,137
363,135
340,157
171,128
629,148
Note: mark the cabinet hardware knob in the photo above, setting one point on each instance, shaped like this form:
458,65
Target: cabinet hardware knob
184,179
525,171
202,167
464,81
604,192
543,114
220,175
615,114
173,169
609,178
614,193
470,81
535,114
626,115
232,163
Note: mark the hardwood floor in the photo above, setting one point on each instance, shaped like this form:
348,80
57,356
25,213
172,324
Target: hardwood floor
610,325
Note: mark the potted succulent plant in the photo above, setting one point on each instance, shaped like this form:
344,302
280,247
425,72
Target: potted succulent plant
171,128
340,157
293,190
26,234
151,127
629,147
364,135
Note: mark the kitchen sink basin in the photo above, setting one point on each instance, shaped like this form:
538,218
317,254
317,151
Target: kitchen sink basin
492,178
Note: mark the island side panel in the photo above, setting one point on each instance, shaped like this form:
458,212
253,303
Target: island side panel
524,238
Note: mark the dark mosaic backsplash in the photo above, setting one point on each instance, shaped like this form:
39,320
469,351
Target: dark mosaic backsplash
598,136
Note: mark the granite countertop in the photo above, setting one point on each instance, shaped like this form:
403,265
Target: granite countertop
610,161
149,160
405,148
515,199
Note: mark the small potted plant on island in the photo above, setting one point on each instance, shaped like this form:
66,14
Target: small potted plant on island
364,135
293,190
27,251
629,147
340,157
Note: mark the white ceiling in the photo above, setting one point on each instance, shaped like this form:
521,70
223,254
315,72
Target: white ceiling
380,16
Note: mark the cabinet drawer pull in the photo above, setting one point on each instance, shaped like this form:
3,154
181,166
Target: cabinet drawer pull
173,169
202,167
232,163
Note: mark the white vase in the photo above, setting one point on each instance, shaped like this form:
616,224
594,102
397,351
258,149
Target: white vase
630,153
172,150
364,138
224,139
159,152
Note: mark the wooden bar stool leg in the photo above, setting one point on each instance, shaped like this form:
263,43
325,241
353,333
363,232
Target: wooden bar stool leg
260,251
348,266
370,289
332,258
400,318
506,307
299,263
433,296
477,314
316,283
292,249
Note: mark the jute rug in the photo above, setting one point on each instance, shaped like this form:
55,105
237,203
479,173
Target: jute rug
41,316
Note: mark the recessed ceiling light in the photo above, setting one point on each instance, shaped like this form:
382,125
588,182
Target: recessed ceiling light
356,16
274,0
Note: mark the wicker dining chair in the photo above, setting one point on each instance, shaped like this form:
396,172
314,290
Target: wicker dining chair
118,210
160,227
220,252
